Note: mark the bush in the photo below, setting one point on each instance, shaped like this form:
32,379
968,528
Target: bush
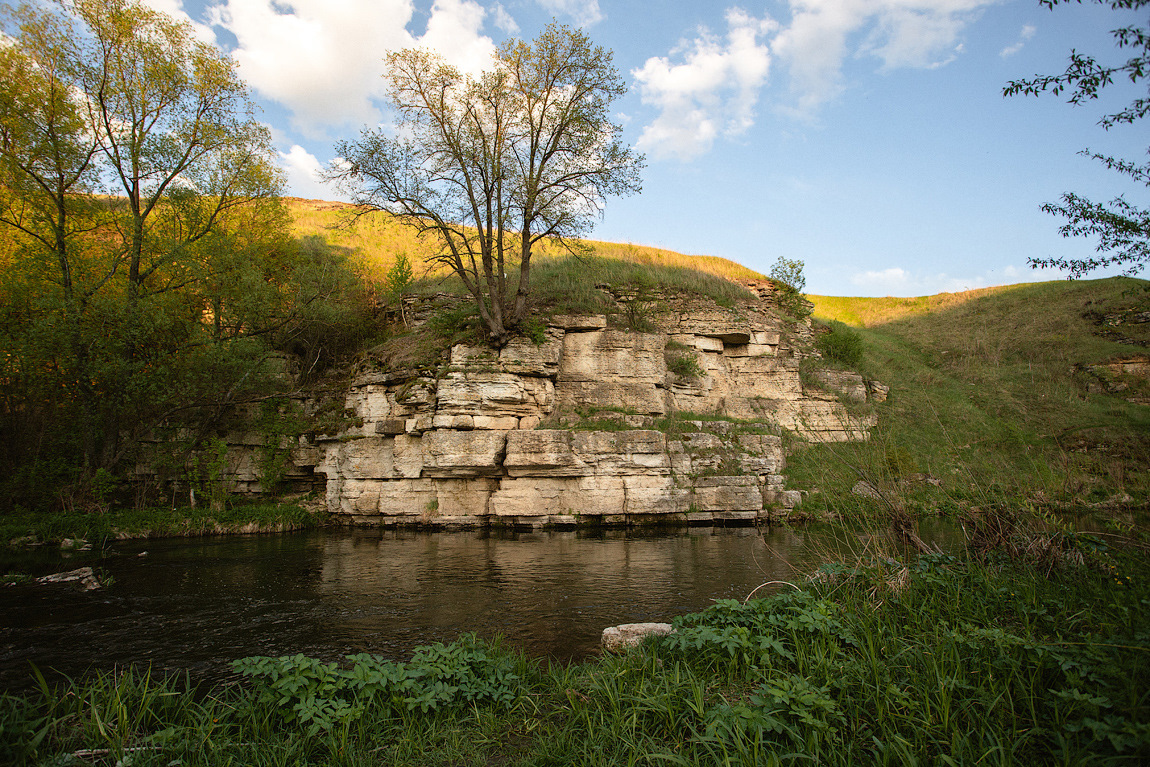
841,344
684,365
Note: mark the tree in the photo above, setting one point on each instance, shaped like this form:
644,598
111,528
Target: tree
490,165
788,274
146,247
1122,228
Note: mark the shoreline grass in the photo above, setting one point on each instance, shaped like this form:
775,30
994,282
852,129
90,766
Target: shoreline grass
937,660
23,527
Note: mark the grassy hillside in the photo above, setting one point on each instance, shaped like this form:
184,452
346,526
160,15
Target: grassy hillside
992,394
377,239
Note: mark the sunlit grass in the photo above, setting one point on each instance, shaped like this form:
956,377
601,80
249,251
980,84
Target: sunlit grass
378,239
991,395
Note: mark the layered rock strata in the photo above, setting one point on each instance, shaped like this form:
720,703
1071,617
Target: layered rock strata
554,477
484,442
591,423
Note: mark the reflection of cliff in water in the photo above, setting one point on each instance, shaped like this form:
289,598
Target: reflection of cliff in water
197,604
550,593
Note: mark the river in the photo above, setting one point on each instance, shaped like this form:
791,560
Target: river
196,604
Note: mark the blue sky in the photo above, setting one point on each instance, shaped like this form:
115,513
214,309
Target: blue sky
867,138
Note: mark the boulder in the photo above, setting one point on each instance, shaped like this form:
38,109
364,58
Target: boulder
623,637
866,490
85,577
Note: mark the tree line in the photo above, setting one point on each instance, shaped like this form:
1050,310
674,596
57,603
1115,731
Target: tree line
148,273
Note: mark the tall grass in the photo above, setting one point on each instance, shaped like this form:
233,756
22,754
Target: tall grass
991,396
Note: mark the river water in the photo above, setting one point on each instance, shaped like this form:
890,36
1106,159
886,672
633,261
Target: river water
196,604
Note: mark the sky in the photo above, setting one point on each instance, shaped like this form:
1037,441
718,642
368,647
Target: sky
867,138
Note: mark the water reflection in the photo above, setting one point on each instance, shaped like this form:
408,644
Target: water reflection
198,604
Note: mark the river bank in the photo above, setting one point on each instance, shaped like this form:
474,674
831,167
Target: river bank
936,659
77,527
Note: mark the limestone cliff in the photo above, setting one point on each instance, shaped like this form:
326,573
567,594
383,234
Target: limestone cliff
488,439
590,424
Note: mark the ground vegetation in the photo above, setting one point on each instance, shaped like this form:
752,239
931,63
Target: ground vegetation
883,660
998,397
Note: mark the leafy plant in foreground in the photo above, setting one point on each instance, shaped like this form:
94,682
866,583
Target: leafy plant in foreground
322,695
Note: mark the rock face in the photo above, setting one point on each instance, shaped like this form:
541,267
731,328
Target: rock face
587,425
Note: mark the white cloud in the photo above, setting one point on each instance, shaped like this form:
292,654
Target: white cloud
902,33
322,59
712,92
502,20
1026,33
582,12
900,282
453,31
303,175
175,8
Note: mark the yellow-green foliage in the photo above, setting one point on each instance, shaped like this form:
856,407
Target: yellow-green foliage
378,239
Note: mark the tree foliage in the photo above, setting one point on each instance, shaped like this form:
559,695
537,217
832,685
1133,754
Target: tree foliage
490,165
146,265
1121,227
791,281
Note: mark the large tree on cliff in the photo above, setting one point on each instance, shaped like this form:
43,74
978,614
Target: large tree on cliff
1122,228
489,165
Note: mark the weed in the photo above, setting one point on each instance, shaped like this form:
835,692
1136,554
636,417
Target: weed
841,344
684,365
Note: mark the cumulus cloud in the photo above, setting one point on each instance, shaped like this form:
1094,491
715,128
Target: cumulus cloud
175,9
582,12
503,21
900,282
711,91
902,33
453,31
303,171
1026,33
322,59
708,87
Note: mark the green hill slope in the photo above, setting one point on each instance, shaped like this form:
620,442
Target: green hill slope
995,394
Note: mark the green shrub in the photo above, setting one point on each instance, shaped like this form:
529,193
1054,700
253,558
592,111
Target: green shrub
841,344
684,365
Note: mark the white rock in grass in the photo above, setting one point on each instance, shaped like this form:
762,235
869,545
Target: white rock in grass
628,635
